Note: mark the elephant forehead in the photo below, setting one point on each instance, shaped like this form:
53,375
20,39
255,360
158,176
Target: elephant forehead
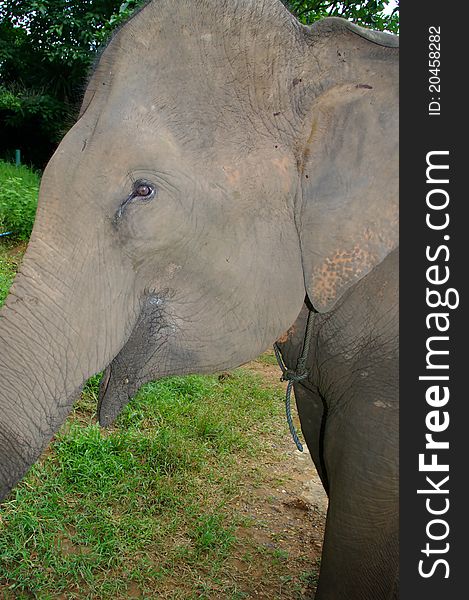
268,160
194,66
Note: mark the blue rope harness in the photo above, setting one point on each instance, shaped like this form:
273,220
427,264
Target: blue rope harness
292,376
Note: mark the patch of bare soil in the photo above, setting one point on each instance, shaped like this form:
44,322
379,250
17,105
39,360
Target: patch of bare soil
285,507
16,251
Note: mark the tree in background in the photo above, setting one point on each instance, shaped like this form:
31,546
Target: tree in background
47,48
371,13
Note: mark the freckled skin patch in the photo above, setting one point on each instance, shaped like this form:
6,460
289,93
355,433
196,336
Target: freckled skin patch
340,270
232,175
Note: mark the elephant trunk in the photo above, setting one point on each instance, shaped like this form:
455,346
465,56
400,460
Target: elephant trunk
56,330
38,385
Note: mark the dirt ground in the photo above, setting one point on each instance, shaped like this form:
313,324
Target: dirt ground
287,512
302,472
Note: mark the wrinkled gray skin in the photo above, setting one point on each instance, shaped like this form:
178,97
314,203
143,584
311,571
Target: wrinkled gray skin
348,408
228,162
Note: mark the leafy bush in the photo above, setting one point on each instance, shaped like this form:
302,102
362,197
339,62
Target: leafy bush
47,48
19,188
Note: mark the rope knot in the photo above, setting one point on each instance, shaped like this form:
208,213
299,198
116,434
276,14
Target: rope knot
294,376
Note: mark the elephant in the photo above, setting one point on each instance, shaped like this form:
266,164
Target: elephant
231,172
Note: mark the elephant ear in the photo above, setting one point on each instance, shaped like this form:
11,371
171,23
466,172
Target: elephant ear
348,209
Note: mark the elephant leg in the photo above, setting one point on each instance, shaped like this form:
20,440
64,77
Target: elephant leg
312,412
360,552
355,565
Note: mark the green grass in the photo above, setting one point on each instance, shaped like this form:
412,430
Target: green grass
268,359
9,261
144,502
18,200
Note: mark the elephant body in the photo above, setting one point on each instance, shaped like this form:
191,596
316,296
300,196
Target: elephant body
227,163
348,408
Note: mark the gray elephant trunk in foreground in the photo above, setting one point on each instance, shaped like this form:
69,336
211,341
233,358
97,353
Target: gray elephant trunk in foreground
51,339
227,163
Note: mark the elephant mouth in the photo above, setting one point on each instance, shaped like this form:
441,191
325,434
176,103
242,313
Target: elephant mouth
138,361
114,394
107,413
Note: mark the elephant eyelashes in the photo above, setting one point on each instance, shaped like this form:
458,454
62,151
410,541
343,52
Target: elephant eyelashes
143,191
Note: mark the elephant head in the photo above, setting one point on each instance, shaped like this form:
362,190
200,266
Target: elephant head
227,162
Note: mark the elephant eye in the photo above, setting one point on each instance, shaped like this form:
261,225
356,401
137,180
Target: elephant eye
144,190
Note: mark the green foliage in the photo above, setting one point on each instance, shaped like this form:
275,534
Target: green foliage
46,50
61,34
368,13
19,103
19,188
